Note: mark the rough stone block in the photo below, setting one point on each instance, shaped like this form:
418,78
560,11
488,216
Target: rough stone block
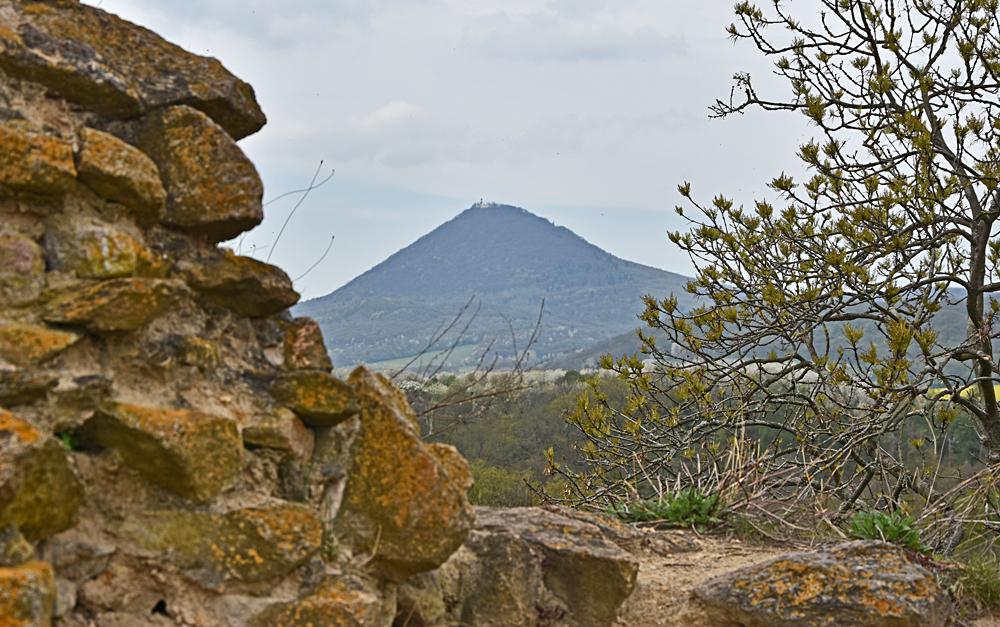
280,430
241,284
39,491
22,269
114,305
868,584
116,68
399,495
24,344
213,190
92,249
304,348
121,173
34,162
189,453
319,398
20,387
347,601
250,545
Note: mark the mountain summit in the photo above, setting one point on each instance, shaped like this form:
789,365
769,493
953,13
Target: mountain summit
508,260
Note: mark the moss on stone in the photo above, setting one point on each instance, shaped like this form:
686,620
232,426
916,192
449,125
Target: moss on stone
115,305
189,453
39,491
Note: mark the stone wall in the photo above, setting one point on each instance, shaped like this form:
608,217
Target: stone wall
173,446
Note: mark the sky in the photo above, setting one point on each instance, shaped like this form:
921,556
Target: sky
586,112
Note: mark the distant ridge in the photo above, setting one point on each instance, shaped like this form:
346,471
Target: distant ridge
509,260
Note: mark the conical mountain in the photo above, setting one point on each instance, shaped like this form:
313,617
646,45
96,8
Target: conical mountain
507,261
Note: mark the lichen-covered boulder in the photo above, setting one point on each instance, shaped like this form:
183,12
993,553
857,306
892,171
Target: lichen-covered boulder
213,190
22,268
121,173
525,566
343,601
189,453
116,68
115,305
23,344
241,284
92,249
304,348
39,492
864,583
27,595
32,161
250,545
319,398
401,502
280,430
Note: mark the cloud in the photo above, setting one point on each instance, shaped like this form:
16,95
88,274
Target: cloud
592,38
386,116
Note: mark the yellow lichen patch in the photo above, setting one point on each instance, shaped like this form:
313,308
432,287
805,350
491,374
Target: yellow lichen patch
39,491
27,595
252,544
319,398
28,344
121,173
190,453
400,486
212,188
114,305
858,583
34,162
241,284
115,68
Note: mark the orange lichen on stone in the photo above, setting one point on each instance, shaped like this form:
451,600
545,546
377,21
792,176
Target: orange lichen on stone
121,173
213,190
336,602
250,544
13,426
189,453
400,487
241,284
317,397
28,344
27,595
858,583
34,162
115,305
118,69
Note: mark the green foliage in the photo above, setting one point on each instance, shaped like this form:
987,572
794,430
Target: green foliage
500,487
894,527
980,581
68,439
686,508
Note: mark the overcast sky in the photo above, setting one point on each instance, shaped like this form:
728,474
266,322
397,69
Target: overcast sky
586,112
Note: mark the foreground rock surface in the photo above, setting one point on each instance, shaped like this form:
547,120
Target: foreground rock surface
526,566
869,584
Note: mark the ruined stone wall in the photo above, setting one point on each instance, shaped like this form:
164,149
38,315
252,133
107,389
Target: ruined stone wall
173,447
